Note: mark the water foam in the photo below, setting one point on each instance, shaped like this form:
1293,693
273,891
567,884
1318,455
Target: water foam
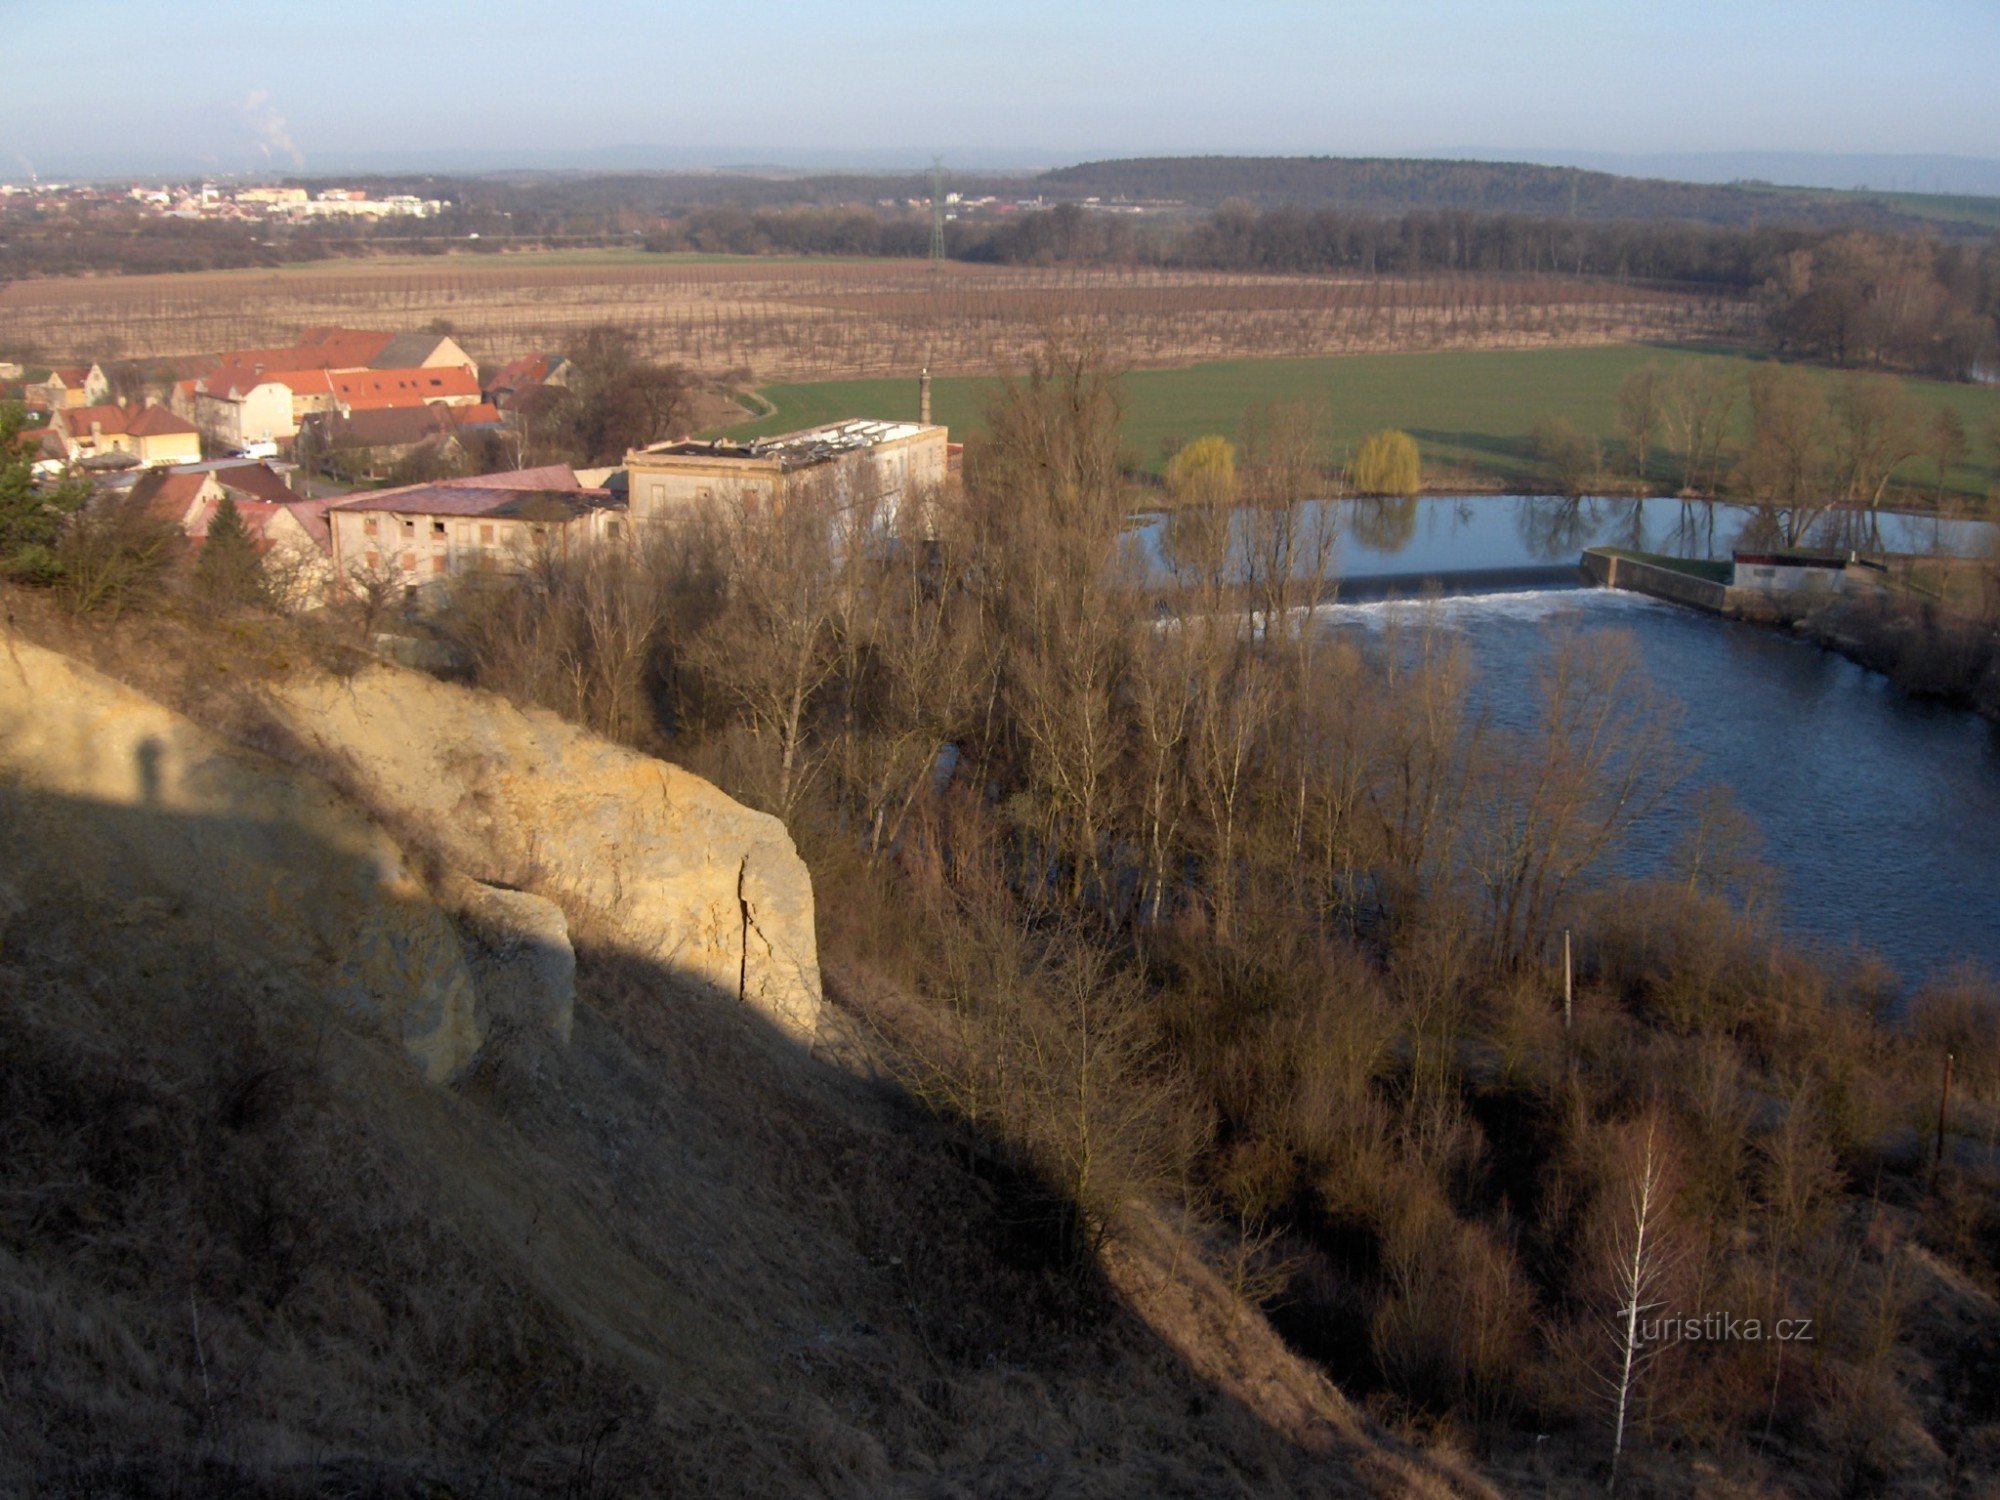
1462,611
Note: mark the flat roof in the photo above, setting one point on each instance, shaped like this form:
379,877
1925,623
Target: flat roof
489,502
790,450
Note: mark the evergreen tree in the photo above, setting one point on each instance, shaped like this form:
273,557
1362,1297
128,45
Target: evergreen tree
228,571
31,515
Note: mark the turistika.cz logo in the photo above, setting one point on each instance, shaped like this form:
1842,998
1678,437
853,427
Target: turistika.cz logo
1724,1327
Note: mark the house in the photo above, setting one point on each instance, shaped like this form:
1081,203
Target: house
50,449
176,493
260,395
69,386
290,532
290,540
863,462
369,442
531,373
329,348
238,405
424,532
150,433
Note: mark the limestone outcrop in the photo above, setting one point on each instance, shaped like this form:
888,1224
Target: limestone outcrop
652,857
111,798
522,963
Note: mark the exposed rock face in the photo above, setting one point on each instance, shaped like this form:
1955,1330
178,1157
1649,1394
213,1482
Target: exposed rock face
654,856
522,962
106,793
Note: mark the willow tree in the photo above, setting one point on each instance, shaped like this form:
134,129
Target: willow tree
1387,463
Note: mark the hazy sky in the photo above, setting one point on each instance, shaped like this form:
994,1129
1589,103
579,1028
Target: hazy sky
228,78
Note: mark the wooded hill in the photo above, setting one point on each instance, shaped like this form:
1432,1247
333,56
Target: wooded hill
1391,185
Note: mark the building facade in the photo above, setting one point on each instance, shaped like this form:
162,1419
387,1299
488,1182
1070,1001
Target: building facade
151,433
862,464
423,533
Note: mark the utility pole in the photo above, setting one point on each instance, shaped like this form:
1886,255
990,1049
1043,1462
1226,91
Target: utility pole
1569,983
1944,1099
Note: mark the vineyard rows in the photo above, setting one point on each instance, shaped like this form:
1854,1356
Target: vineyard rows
802,321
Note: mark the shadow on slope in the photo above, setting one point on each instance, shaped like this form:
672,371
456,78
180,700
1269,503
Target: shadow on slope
245,1248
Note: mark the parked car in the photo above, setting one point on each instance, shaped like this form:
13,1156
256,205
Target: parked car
265,449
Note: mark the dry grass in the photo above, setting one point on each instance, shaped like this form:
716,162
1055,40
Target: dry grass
245,1251
790,320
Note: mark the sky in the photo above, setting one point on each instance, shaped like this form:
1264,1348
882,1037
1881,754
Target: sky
244,83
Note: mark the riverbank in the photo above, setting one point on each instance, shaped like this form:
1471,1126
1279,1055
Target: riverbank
1926,650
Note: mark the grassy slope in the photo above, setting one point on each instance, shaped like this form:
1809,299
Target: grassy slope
1469,409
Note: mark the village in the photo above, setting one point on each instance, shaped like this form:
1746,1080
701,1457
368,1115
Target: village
303,444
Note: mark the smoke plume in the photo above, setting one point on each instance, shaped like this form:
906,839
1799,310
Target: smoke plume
268,128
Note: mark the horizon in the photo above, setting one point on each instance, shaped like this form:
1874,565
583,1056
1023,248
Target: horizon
1941,174
898,85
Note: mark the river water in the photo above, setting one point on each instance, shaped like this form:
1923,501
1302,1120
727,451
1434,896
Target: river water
1879,814
1536,538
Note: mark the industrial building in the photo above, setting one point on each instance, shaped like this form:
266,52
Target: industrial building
863,462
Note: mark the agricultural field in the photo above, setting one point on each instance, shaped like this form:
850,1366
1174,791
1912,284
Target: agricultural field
1470,410
756,319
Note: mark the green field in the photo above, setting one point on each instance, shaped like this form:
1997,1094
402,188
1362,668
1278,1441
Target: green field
1469,410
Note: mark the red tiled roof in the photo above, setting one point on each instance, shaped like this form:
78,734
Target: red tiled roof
134,421
317,349
158,421
529,369
235,380
360,390
70,375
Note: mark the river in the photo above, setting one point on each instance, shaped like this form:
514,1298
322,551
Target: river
1880,814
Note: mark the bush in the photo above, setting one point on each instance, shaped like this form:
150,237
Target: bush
110,556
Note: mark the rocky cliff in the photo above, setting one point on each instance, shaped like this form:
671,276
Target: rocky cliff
647,855
286,862
166,829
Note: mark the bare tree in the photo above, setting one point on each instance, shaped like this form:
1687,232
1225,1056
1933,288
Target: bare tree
1598,760
1640,402
1877,429
1785,469
1640,1258
771,649
1696,404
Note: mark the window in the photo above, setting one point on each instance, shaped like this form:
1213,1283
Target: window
611,530
659,493
437,530
409,526
409,562
374,561
486,534
437,563
368,524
